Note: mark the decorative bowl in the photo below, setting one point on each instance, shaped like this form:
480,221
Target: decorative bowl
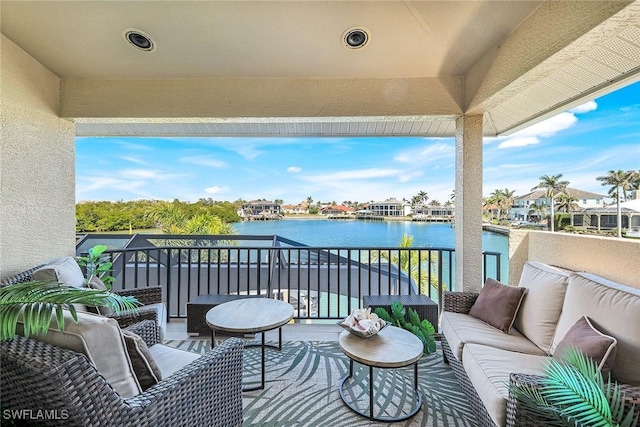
359,334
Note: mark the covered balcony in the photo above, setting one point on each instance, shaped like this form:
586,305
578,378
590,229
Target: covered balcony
294,69
463,69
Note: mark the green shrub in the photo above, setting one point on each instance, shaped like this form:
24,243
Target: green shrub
410,320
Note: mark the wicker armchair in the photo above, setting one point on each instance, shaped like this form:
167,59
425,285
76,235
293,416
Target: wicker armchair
67,389
147,297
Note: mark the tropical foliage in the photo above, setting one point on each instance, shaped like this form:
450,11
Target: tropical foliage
501,201
567,202
418,265
552,185
419,199
573,393
139,214
621,182
408,318
39,300
97,263
174,218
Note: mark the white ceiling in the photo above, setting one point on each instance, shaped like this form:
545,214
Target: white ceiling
239,39
519,61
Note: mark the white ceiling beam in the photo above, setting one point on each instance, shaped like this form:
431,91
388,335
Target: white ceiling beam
229,98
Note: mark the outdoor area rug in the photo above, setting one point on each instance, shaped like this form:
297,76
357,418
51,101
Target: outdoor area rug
302,388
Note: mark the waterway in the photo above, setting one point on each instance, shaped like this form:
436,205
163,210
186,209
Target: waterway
358,233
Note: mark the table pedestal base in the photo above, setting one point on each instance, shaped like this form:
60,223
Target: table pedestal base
262,346
371,415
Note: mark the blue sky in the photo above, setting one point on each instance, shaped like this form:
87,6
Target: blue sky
582,144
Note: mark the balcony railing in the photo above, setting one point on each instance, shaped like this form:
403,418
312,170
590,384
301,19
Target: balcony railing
320,282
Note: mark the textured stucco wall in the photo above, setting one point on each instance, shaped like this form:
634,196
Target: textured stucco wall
468,219
37,165
609,257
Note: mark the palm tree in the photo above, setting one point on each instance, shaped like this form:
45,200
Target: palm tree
422,195
621,182
567,202
412,263
503,199
539,210
552,185
507,200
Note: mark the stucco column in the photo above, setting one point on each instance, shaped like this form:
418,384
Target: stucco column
468,222
37,165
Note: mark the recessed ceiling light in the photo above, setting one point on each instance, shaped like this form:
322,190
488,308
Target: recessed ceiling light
355,38
139,40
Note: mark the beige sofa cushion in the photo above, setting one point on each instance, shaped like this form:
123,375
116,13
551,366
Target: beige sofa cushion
63,270
460,329
99,338
171,360
540,310
489,368
613,309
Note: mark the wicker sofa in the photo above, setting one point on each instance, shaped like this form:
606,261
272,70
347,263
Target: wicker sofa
486,360
47,384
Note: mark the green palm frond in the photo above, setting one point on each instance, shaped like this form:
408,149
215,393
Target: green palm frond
37,301
573,392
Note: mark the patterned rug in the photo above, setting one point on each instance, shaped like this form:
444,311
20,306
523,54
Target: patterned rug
302,388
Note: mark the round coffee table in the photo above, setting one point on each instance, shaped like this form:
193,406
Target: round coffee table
392,347
248,316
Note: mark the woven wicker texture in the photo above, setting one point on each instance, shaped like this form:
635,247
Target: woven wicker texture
150,295
39,376
461,302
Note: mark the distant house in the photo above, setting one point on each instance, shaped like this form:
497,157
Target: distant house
302,208
433,211
522,206
336,210
390,207
260,209
607,217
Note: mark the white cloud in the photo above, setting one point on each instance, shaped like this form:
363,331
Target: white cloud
138,174
203,161
532,134
361,174
294,169
430,153
133,160
584,108
216,190
519,142
409,176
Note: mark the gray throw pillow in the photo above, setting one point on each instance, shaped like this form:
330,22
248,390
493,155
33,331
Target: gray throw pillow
590,341
145,367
